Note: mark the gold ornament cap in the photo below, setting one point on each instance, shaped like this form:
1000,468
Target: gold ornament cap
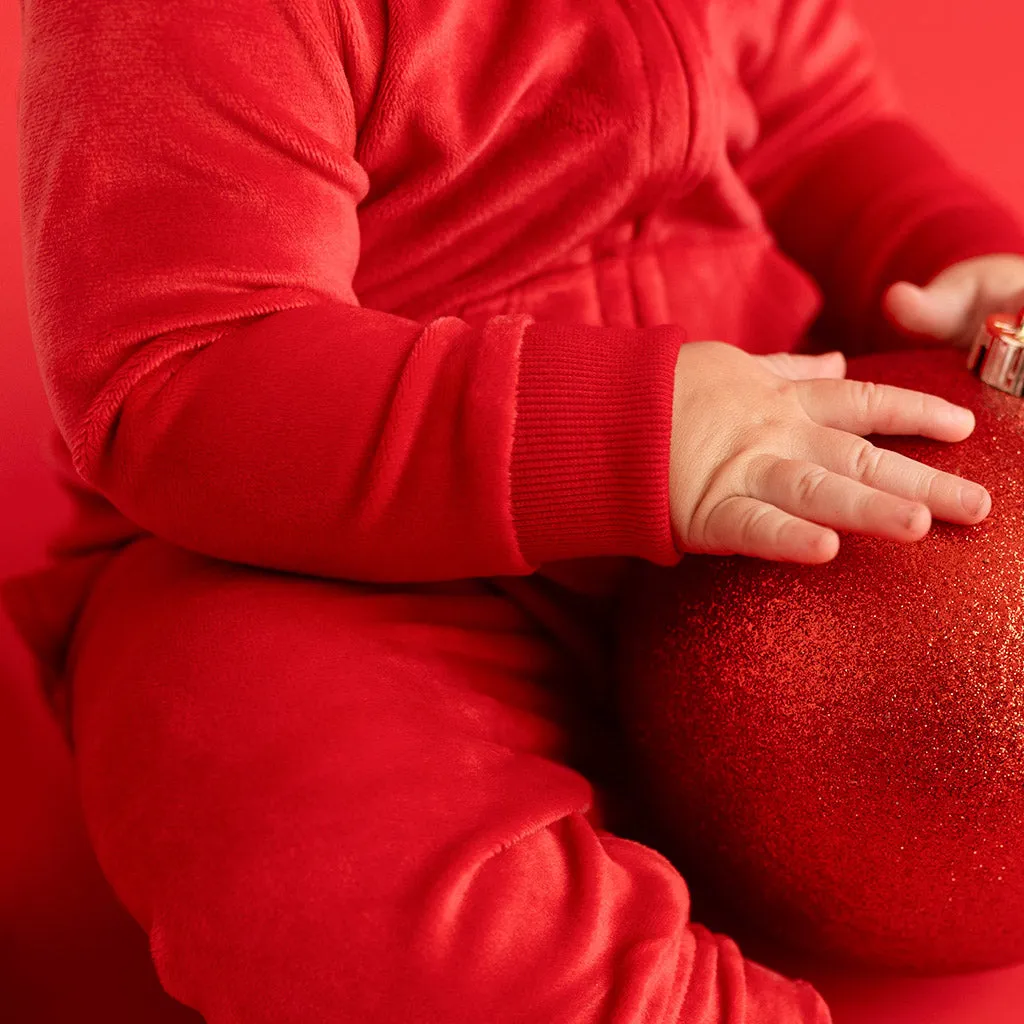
997,355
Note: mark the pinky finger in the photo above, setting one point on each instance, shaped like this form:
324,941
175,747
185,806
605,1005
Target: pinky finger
746,526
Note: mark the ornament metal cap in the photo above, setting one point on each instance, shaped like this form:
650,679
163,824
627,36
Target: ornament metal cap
997,355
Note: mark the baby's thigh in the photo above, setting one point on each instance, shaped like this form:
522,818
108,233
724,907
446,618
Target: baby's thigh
257,746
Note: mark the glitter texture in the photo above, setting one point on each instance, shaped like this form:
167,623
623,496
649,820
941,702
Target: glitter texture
837,751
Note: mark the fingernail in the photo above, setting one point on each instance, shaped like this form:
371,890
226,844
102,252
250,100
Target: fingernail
911,516
972,499
960,415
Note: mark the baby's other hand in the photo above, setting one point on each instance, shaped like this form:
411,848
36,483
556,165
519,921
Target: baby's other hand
768,459
954,304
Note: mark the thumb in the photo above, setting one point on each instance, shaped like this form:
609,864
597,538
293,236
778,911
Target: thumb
941,310
803,367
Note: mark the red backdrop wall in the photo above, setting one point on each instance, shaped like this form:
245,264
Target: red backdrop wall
946,58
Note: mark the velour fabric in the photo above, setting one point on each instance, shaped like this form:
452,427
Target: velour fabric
334,801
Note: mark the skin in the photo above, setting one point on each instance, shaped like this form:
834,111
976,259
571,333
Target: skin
768,453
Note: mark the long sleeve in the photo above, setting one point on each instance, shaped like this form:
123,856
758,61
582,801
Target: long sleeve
189,194
853,190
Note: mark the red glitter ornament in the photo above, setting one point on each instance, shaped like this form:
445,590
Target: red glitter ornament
837,751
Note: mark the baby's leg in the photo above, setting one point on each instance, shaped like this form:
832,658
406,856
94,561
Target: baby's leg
333,802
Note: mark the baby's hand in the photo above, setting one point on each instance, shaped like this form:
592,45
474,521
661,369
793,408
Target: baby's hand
952,305
766,448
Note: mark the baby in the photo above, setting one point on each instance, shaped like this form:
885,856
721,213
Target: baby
380,336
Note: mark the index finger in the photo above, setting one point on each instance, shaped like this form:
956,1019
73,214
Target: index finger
861,407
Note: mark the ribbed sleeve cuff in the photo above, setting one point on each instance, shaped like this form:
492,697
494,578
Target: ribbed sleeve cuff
590,455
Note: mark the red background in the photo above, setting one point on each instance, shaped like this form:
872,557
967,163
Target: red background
66,952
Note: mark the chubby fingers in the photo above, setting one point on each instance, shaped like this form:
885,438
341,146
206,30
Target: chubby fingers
792,507
948,497
816,494
941,310
746,526
861,407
